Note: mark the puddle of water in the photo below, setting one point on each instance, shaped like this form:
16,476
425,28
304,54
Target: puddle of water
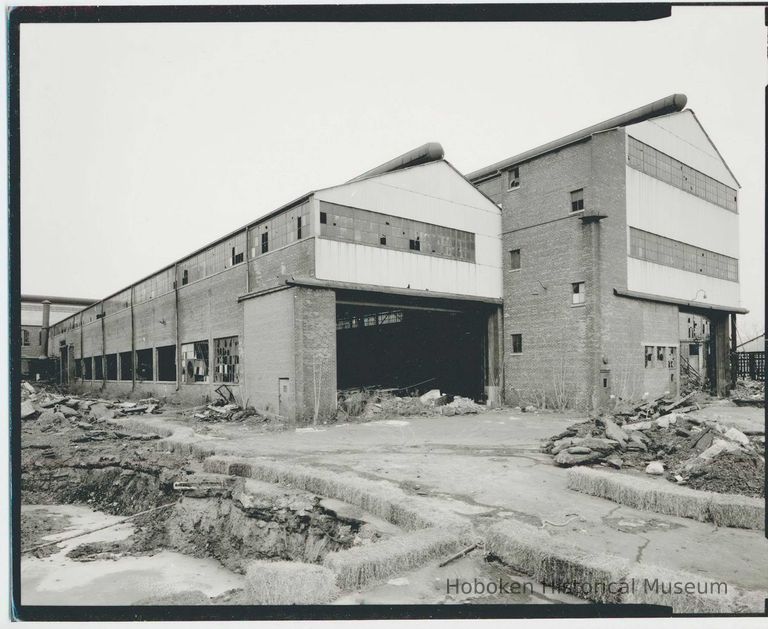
58,580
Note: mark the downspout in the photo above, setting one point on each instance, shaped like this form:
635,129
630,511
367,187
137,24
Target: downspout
46,328
176,315
103,350
133,345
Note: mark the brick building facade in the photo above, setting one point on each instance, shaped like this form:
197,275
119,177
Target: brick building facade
583,324
558,276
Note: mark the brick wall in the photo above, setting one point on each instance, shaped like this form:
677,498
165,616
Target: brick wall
624,324
270,269
315,352
267,353
537,219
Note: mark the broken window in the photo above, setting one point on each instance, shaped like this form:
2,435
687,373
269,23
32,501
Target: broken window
98,368
144,370
648,160
265,242
78,368
577,200
513,178
126,366
237,257
227,358
87,369
185,277
648,355
693,349
671,358
166,363
514,259
578,293
25,337
111,366
194,361
660,351
350,224
517,343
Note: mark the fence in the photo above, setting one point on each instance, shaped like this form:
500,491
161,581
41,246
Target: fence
751,365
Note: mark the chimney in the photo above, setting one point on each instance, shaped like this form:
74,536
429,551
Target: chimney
46,325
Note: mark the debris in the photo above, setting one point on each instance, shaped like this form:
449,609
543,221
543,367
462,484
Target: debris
458,555
655,468
27,410
684,449
573,517
100,528
430,396
612,431
734,434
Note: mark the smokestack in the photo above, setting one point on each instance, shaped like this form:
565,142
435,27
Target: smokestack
46,325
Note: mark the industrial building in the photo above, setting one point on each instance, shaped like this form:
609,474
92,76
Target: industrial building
38,313
392,279
565,275
621,250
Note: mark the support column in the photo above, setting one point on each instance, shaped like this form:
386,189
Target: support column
734,357
494,385
315,354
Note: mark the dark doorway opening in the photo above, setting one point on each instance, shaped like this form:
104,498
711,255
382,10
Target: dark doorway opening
402,346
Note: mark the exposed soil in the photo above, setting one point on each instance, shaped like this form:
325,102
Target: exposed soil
83,459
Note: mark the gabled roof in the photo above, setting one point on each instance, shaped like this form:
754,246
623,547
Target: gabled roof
682,136
669,104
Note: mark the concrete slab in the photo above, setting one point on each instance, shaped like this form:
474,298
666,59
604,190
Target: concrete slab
489,467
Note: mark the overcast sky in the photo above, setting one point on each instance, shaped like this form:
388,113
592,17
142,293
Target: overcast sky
142,142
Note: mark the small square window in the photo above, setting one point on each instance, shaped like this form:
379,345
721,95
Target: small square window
514,259
414,245
578,293
517,343
648,355
577,200
513,178
383,240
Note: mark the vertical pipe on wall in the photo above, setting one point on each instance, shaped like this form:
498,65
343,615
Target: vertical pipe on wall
133,345
103,349
46,328
176,315
734,357
246,255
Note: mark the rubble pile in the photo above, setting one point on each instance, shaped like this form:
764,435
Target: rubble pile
748,393
221,411
662,438
49,407
382,403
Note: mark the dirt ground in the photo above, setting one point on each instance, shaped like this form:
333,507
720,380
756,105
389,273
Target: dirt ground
488,467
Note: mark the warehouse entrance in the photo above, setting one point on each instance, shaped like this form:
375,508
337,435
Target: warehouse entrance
412,345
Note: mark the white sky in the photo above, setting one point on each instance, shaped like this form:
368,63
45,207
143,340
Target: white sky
142,142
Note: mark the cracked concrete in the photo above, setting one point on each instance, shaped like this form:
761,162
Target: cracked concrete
491,470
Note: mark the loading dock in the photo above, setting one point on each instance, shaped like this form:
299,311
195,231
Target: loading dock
414,344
